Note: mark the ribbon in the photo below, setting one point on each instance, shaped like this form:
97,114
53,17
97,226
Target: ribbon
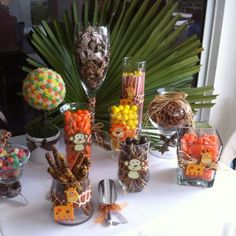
138,99
113,209
99,136
43,144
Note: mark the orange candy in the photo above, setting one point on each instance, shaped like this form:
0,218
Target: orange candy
77,122
194,145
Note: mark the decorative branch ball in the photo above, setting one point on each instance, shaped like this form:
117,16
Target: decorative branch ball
43,89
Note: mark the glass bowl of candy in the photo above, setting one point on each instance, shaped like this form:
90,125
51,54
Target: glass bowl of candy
168,111
198,151
12,162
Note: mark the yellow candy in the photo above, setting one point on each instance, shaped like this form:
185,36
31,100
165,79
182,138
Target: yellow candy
130,122
132,127
138,73
135,115
115,109
131,116
121,107
125,111
127,127
123,123
125,117
134,108
119,117
135,122
127,107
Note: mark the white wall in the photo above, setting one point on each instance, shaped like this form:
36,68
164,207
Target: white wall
223,114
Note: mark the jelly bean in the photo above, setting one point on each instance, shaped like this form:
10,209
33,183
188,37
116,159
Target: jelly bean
11,160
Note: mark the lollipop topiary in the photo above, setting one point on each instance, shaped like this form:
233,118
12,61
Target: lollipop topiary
44,90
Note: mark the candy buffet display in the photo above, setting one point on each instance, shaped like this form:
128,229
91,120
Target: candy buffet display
71,192
198,155
133,81
77,131
133,171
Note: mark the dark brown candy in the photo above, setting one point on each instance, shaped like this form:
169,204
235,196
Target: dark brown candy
170,110
10,190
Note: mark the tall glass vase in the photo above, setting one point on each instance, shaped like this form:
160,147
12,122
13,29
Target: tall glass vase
133,81
77,129
92,45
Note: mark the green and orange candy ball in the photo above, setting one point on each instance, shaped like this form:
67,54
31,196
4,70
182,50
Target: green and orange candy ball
44,89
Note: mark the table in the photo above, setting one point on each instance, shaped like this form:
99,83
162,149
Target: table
163,209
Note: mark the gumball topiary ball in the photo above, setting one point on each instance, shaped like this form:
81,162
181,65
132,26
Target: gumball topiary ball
43,89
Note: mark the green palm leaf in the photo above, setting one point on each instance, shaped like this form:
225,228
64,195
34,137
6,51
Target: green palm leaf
139,29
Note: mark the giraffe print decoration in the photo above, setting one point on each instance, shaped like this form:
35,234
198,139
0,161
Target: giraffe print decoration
66,212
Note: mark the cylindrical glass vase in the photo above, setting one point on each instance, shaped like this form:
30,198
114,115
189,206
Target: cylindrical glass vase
72,202
133,173
77,128
133,82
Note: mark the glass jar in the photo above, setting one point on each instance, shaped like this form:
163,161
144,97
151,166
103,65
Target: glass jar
133,82
13,159
168,111
133,173
72,202
198,153
78,131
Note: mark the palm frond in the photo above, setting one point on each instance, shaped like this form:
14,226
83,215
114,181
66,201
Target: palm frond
137,28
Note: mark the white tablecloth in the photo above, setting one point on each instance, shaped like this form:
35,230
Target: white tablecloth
163,209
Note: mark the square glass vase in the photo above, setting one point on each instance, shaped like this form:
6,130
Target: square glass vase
198,151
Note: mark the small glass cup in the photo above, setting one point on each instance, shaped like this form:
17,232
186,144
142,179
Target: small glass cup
133,173
78,131
198,152
72,202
